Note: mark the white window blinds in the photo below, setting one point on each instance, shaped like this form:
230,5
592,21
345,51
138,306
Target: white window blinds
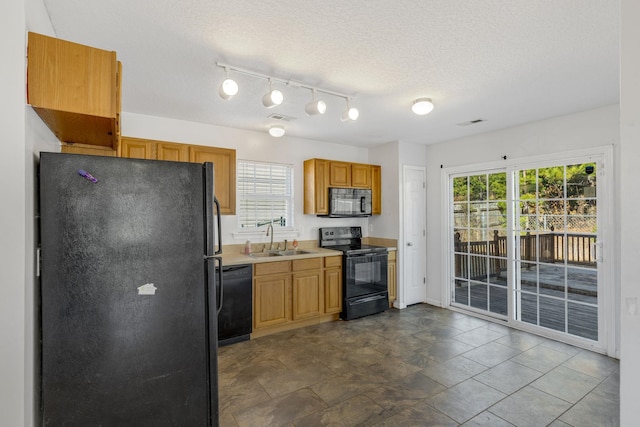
265,194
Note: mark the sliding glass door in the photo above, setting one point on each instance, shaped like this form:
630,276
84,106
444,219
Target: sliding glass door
479,227
556,239
525,245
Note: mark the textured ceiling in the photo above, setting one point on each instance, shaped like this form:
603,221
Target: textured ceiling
505,61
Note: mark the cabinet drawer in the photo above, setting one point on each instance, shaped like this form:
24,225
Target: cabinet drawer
264,268
306,264
333,261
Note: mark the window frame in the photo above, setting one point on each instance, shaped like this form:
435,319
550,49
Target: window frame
288,196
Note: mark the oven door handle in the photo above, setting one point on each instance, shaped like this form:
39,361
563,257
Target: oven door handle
370,254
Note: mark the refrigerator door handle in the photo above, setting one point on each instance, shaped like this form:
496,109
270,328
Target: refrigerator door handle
218,231
219,299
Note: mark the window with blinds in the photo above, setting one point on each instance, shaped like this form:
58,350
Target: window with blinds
265,194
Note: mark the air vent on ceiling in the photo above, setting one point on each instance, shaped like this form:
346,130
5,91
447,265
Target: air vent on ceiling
471,122
282,117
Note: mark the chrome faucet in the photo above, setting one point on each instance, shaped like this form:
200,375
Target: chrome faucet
270,226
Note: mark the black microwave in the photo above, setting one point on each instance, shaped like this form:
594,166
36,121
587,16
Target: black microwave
349,202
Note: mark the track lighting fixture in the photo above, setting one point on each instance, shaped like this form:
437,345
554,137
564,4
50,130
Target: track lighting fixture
315,107
351,113
276,131
422,106
273,97
229,87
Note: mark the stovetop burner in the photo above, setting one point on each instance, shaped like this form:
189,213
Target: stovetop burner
347,240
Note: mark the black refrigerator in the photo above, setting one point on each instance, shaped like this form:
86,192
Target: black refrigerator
128,292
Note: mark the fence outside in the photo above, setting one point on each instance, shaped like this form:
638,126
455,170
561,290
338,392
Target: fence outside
473,259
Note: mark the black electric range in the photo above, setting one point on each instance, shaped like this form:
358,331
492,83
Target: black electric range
364,287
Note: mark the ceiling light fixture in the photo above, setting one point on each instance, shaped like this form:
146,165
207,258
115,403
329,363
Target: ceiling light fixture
272,98
315,107
351,113
229,87
422,106
275,97
276,131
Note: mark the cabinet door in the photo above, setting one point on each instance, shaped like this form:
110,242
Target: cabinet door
391,277
272,301
134,148
173,152
376,190
224,161
360,175
316,187
73,88
90,150
339,174
332,290
308,294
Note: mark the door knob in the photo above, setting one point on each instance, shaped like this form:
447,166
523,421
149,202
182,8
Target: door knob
409,244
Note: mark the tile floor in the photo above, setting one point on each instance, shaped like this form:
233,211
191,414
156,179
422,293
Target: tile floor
422,366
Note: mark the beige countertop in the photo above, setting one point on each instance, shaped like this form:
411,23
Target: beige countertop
232,255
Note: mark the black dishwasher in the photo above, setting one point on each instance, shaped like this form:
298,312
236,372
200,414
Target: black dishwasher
234,319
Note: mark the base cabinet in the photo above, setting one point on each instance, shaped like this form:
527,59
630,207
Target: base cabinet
271,300
295,293
392,277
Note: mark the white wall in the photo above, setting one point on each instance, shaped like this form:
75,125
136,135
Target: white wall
251,145
630,209
387,225
14,394
593,128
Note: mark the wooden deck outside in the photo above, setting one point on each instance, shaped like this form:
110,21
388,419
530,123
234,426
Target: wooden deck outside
548,298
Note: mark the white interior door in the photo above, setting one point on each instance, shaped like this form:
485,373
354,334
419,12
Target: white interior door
413,286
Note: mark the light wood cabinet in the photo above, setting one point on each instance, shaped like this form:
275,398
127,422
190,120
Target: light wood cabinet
91,150
333,284
339,174
135,148
316,187
392,277
271,306
75,89
308,294
360,175
172,152
291,294
320,174
376,190
223,159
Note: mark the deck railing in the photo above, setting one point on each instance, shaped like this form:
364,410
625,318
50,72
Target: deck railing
490,256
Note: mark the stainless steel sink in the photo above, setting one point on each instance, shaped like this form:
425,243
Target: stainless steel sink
268,254
293,252
264,254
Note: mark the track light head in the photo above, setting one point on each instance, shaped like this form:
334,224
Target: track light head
276,131
272,98
351,113
315,107
228,88
422,106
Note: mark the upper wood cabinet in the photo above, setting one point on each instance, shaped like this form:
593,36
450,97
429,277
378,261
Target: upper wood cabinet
224,163
320,174
339,174
75,89
316,184
360,175
223,159
91,150
376,190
